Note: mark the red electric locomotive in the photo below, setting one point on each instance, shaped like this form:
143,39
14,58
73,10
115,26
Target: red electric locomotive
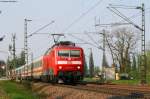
64,61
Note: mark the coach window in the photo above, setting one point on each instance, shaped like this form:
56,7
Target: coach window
63,53
39,63
75,53
29,67
35,64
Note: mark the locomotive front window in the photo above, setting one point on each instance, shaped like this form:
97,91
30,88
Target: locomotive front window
63,53
74,53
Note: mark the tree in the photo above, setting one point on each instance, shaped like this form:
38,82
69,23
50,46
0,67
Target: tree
128,64
104,61
148,60
2,69
1,38
96,70
17,62
122,41
134,63
21,59
135,67
91,64
85,67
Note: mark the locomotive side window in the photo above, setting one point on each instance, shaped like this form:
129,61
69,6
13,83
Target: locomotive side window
63,53
74,53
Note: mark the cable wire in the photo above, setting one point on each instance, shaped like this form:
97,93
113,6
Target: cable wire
99,47
82,15
41,28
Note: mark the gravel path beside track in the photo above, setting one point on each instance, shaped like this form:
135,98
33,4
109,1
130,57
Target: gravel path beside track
91,91
49,91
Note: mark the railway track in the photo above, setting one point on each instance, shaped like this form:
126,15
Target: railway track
116,90
133,92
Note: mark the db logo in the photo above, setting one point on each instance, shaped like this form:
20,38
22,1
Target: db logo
69,62
69,58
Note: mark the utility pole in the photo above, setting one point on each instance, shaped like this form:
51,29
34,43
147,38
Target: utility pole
91,63
104,62
26,40
13,53
26,44
143,57
32,66
1,38
14,49
141,28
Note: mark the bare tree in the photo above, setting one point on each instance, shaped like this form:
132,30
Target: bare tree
121,42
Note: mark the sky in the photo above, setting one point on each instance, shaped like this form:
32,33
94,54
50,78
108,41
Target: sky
70,16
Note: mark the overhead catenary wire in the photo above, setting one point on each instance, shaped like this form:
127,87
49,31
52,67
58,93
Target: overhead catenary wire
43,27
114,10
92,39
99,47
127,19
70,33
13,1
94,32
82,40
147,10
82,15
123,6
123,17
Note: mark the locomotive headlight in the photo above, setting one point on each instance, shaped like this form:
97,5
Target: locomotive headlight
78,67
60,67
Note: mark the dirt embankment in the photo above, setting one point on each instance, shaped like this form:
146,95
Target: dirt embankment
54,92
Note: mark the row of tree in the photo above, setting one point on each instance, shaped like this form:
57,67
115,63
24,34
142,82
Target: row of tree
16,62
122,43
92,70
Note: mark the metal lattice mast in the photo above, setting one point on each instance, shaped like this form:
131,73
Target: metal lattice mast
143,56
26,44
142,29
25,41
14,50
104,61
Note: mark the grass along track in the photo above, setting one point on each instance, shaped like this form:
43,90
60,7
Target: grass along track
13,90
